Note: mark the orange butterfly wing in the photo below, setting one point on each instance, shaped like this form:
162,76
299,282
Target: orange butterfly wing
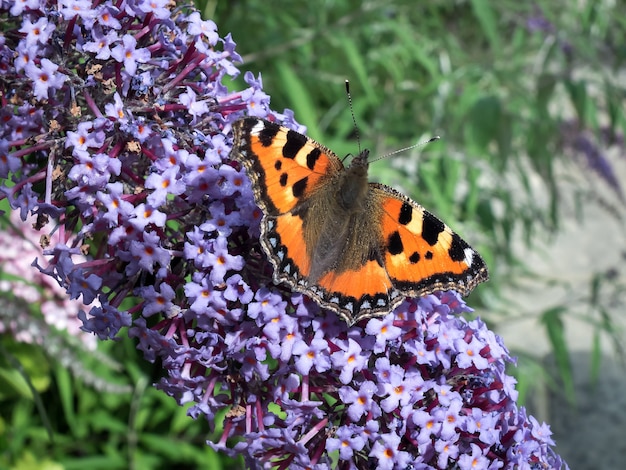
286,169
422,254
358,294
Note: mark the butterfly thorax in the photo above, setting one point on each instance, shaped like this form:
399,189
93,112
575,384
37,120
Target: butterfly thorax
352,186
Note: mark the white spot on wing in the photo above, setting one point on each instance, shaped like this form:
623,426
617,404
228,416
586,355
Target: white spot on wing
469,256
258,127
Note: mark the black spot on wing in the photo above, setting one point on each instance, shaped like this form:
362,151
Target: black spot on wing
414,258
406,214
312,157
299,187
293,144
431,228
283,179
457,248
266,136
394,244
278,165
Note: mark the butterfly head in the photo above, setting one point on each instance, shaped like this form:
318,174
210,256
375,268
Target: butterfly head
361,159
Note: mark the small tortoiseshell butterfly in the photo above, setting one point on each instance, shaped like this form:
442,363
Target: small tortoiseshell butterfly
356,248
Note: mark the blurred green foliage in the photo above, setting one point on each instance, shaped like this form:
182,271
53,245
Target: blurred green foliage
79,426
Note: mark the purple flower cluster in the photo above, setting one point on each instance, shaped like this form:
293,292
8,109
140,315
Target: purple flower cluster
116,135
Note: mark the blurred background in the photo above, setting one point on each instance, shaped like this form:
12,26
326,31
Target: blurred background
528,98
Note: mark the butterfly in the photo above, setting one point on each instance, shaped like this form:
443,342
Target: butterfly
356,248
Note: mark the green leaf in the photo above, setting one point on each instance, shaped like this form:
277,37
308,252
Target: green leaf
555,328
472,199
530,375
355,58
28,461
25,372
577,91
545,86
483,122
66,393
596,357
488,22
299,98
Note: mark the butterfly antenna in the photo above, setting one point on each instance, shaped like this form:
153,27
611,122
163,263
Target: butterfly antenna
356,128
419,144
